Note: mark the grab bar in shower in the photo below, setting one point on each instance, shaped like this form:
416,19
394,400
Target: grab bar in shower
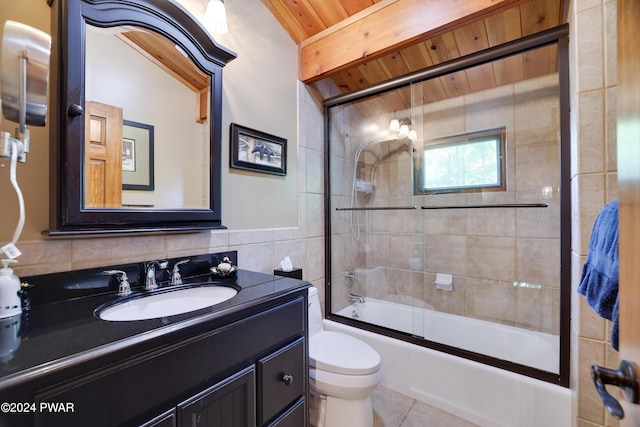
381,208
508,205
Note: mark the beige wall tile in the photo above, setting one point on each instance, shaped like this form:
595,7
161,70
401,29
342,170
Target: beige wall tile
611,42
591,132
247,237
544,128
87,253
492,258
611,123
539,222
403,248
537,166
315,215
406,287
539,87
538,261
483,100
43,257
491,222
491,300
186,244
496,117
453,302
592,326
445,221
445,254
591,199
375,281
590,406
377,249
344,253
296,250
315,171
314,265
590,49
538,309
258,257
404,221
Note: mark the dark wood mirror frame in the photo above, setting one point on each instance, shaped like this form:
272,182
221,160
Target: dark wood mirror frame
68,18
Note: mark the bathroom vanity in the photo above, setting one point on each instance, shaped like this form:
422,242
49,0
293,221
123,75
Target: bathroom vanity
242,362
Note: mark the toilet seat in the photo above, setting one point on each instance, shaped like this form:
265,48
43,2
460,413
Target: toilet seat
343,354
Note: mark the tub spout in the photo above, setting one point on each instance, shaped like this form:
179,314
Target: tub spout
355,298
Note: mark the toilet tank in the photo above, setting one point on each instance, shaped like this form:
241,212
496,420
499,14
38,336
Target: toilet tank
315,314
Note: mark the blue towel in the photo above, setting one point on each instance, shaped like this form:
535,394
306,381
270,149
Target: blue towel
599,282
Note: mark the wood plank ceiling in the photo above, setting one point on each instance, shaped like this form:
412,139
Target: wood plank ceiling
304,19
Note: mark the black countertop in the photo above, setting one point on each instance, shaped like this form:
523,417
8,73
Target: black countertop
57,333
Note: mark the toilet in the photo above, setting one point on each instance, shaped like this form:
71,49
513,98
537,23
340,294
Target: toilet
343,371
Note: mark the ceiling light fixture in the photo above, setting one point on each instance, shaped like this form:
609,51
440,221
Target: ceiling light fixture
404,128
215,17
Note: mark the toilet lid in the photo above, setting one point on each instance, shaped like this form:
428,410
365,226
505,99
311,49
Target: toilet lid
342,354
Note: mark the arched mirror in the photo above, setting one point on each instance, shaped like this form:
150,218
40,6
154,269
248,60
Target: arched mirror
136,126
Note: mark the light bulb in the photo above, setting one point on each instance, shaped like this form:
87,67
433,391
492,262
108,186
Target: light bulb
394,125
404,131
413,135
215,17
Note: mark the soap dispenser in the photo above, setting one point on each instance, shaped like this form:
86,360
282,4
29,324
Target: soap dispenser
10,303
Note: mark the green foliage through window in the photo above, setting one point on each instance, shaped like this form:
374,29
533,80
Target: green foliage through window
472,161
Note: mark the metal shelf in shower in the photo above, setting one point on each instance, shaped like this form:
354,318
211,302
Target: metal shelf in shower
401,208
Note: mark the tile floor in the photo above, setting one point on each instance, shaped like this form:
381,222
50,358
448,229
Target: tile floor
391,409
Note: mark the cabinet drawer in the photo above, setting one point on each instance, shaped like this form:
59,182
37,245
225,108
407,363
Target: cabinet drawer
281,380
294,417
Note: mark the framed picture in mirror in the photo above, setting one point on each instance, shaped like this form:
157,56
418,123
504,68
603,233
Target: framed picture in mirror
257,151
137,156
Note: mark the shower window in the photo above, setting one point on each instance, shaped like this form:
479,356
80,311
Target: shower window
448,207
469,162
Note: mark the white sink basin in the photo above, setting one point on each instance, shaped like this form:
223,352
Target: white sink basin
168,303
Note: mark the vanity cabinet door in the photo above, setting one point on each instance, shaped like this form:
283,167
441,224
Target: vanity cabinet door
229,403
281,380
168,419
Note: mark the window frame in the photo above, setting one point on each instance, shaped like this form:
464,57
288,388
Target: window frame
458,139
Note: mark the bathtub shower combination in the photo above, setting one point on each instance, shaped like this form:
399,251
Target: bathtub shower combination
448,230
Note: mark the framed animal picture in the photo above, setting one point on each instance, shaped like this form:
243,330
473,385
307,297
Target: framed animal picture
257,151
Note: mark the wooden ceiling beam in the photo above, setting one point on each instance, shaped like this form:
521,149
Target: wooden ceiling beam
388,26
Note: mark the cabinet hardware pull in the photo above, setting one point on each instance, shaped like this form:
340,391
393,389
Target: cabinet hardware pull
287,379
75,110
624,377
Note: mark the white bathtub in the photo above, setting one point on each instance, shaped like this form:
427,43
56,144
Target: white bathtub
482,394
530,348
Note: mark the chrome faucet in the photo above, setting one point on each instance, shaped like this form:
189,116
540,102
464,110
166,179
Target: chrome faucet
150,274
176,279
355,298
124,288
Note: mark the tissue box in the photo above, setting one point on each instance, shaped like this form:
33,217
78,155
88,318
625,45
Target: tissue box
296,273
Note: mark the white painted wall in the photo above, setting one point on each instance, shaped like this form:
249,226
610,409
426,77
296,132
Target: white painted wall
259,92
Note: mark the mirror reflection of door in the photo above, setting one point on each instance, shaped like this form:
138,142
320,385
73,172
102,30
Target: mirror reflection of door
103,156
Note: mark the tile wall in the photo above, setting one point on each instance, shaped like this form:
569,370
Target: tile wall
594,183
